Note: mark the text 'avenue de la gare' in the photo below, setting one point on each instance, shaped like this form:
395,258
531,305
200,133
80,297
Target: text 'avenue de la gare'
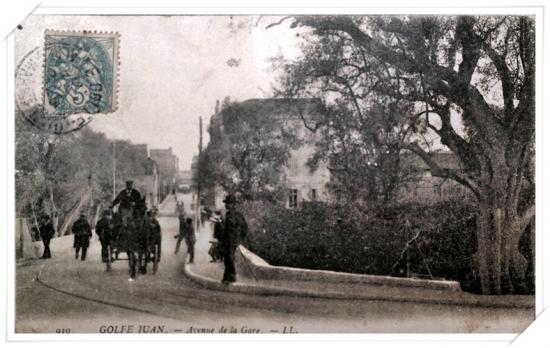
129,329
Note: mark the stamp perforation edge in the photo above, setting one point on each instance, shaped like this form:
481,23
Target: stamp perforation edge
91,33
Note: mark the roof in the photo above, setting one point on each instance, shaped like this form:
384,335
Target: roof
447,160
289,106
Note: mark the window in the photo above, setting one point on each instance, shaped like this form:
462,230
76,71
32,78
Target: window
313,195
293,198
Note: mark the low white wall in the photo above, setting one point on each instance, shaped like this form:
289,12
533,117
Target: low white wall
263,270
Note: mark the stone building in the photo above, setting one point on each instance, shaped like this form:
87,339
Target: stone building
143,171
427,188
168,167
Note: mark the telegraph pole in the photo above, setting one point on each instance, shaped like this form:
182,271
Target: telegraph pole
114,171
198,206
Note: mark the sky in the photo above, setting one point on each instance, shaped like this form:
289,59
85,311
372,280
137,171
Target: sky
172,70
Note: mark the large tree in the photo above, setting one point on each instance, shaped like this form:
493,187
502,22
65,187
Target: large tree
479,70
247,152
362,131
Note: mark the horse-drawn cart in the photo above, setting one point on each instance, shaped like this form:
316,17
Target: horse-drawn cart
137,234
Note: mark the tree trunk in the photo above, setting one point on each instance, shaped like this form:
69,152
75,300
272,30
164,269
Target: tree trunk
488,252
502,268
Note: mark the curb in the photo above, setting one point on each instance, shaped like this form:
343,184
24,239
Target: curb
264,270
264,290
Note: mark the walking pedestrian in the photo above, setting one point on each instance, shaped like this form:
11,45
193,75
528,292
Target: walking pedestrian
82,233
234,232
46,234
104,231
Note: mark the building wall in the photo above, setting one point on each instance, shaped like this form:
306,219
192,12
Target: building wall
167,165
429,189
310,185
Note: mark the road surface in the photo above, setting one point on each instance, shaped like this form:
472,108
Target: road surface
64,294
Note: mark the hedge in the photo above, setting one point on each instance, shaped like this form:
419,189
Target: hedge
366,240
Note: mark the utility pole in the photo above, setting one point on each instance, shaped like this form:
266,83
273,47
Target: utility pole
198,206
114,172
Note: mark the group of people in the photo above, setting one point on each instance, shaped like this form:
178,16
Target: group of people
229,231
108,227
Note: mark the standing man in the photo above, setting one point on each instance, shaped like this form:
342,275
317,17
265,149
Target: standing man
190,239
46,234
155,234
234,233
215,251
182,231
104,231
82,234
128,198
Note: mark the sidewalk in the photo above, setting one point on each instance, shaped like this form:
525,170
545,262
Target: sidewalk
168,206
255,276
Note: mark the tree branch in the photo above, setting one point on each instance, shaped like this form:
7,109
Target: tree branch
436,170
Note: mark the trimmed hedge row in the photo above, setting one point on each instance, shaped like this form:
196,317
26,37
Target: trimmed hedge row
366,240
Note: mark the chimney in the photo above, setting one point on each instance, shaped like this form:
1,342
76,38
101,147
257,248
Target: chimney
217,108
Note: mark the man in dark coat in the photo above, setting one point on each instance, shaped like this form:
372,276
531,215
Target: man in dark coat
190,239
82,233
104,231
215,250
155,233
182,231
234,232
46,234
128,198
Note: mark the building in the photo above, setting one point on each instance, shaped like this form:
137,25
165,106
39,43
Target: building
302,183
427,188
150,183
134,163
168,168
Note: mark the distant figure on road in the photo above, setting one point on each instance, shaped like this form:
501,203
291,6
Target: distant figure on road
180,208
215,250
82,233
46,234
234,232
128,199
104,231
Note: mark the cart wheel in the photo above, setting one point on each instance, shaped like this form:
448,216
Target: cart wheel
155,260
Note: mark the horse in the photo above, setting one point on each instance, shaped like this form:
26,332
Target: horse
129,234
149,244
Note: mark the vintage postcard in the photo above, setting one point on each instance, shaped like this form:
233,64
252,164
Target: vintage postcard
275,174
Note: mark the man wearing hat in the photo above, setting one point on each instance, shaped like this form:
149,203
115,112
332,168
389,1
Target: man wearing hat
128,198
46,234
234,232
82,233
104,231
